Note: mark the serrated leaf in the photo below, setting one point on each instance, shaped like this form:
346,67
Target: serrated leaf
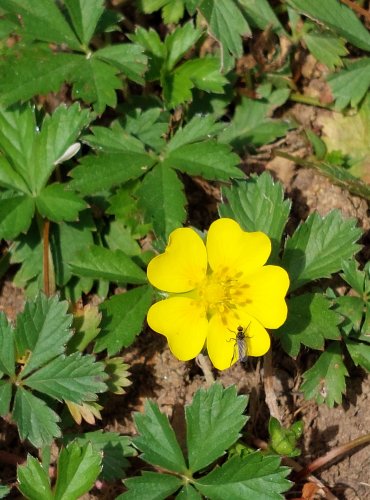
359,352
318,247
173,11
258,204
7,359
259,13
226,23
36,421
42,331
128,58
162,199
88,411
351,309
338,17
16,212
150,486
199,128
251,125
157,440
78,469
113,140
155,49
96,83
84,15
179,42
86,323
350,85
19,81
326,48
57,204
187,492
214,421
102,263
209,159
9,177
42,20
5,397
325,381
75,378
115,449
123,317
253,476
353,276
33,480
97,173
310,321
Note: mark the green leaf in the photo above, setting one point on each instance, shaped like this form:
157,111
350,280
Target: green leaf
33,480
42,331
4,491
251,125
97,173
203,74
9,178
187,492
173,11
318,246
226,23
162,199
126,57
326,47
5,397
84,15
151,486
57,204
350,85
157,440
78,469
95,82
325,381
155,49
209,159
214,421
338,17
114,447
310,321
7,358
179,42
19,81
351,309
359,352
102,263
114,140
353,276
258,204
123,318
74,378
36,421
199,128
259,13
253,476
42,20
16,212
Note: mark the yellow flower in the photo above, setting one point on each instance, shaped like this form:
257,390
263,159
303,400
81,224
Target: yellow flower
215,288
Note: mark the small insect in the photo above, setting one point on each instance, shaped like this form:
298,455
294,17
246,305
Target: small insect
240,346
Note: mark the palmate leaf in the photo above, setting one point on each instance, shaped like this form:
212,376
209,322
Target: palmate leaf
74,378
253,476
325,381
310,321
258,204
42,331
318,247
209,434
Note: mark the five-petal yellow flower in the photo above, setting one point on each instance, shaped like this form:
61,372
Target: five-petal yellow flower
214,288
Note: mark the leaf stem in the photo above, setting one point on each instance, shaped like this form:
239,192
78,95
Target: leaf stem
305,99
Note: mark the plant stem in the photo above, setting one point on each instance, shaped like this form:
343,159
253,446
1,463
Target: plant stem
328,457
205,365
45,259
305,99
268,382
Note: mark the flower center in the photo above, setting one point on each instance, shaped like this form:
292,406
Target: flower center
221,293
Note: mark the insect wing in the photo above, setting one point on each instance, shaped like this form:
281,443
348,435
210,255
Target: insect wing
242,351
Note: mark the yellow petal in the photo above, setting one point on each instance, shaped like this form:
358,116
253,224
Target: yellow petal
232,250
183,321
222,344
266,290
182,266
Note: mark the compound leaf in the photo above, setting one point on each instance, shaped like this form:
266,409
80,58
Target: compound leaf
214,421
42,331
36,421
325,381
157,440
318,246
123,317
74,378
258,204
